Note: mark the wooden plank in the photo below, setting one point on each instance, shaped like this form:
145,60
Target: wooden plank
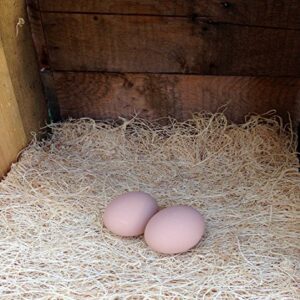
37,31
271,13
101,96
168,45
12,134
21,61
22,106
50,94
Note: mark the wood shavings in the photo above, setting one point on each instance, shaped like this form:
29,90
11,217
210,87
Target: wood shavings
243,178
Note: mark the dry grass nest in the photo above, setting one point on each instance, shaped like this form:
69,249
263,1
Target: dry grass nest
243,178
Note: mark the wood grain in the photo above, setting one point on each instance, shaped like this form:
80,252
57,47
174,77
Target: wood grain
22,65
12,134
22,106
271,13
37,33
83,42
40,45
101,96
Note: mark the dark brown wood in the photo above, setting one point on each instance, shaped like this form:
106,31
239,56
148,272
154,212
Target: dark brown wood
101,96
50,94
271,13
168,45
37,33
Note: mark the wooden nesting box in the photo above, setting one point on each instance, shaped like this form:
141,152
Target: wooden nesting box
111,58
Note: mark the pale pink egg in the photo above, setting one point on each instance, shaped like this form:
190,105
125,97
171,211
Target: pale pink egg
128,214
174,229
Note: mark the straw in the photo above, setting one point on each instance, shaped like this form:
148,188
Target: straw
243,178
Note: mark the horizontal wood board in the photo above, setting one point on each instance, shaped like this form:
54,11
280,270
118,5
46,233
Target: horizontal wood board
101,96
85,42
272,13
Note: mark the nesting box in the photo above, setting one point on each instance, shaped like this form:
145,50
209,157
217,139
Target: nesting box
146,62
105,59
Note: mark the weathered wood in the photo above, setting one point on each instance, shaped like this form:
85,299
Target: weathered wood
271,13
168,45
21,61
50,94
37,33
101,96
22,106
40,44
12,134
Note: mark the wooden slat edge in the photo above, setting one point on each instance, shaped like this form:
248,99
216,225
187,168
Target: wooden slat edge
41,48
37,32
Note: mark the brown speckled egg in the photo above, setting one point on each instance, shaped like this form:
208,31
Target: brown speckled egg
128,214
174,229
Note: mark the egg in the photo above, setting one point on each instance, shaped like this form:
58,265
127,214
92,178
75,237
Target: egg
174,229
128,214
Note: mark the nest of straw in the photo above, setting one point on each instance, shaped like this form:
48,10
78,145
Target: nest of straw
243,178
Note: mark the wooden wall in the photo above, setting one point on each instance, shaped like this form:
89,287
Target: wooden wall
110,58
22,106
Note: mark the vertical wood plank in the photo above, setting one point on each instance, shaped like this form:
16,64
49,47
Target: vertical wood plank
22,65
37,32
12,134
22,105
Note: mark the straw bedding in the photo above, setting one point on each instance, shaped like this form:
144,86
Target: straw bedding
243,178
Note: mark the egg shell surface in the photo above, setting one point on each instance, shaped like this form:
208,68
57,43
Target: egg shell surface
174,229
128,214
